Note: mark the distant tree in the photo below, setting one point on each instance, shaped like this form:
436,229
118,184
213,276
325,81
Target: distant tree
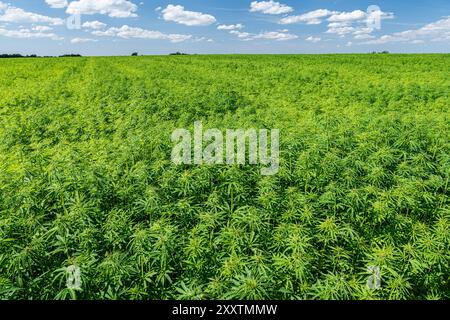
380,52
134,54
14,55
178,54
70,55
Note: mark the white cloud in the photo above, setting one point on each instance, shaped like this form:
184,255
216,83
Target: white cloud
57,4
41,28
270,7
12,14
127,32
443,38
343,30
348,16
96,25
363,30
312,17
112,8
359,32
313,39
442,25
435,31
363,36
271,35
82,40
356,23
202,39
242,35
28,34
276,35
176,13
339,22
342,23
230,27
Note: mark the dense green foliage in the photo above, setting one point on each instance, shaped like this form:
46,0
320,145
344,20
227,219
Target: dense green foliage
86,178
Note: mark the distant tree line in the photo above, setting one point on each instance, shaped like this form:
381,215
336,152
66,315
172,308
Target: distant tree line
70,55
16,55
135,54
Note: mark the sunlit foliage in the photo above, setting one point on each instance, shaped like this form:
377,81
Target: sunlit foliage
86,178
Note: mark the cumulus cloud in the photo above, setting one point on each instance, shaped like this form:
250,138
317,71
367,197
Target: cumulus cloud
41,28
359,31
364,36
12,14
82,40
435,31
341,30
230,27
270,7
241,35
57,4
112,8
96,25
178,14
356,23
276,35
312,17
340,23
282,35
127,32
313,39
28,34
203,39
348,16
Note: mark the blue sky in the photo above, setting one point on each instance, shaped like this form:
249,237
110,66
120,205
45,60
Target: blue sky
120,27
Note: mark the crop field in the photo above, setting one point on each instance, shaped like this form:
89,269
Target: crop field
361,195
